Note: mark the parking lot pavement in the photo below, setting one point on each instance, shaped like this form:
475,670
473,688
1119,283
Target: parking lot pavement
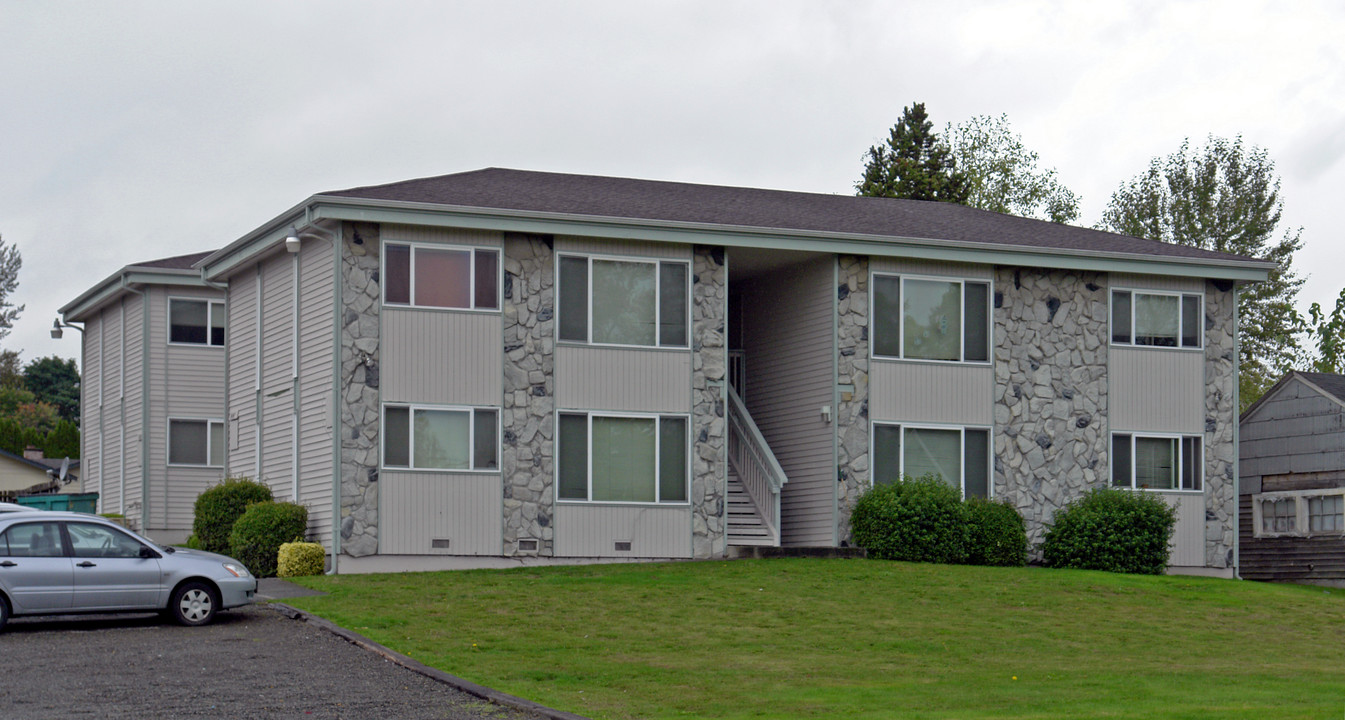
253,662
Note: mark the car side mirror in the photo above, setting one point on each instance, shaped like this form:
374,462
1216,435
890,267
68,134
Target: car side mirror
147,553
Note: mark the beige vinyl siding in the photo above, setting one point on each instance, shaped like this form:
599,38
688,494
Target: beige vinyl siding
449,236
1158,282
278,376
1156,390
637,248
613,379
1188,536
419,507
593,531
91,420
317,438
956,394
114,480
790,346
906,266
130,424
241,337
441,356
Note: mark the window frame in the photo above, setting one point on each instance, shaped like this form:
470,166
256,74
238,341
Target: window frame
688,460
962,282
1302,526
413,247
1180,295
209,321
658,299
411,409
961,447
1178,461
168,445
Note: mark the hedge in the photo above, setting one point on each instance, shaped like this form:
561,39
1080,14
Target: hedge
263,528
1114,530
219,507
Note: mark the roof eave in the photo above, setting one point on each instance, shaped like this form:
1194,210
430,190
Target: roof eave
119,281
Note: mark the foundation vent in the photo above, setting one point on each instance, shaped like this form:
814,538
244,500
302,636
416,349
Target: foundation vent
623,546
527,545
439,543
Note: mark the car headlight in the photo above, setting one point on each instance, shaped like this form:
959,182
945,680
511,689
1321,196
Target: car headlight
236,570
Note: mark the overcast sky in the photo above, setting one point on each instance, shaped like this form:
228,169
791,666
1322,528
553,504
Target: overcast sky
131,131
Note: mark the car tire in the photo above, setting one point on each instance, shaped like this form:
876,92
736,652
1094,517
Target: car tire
194,603
4,611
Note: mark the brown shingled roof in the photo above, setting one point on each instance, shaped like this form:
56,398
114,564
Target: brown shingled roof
622,198
178,262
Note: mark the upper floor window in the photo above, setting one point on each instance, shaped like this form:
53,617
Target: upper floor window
196,442
1156,462
196,322
608,301
435,276
440,438
959,456
920,318
1155,319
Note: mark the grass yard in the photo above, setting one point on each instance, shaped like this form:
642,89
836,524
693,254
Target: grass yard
801,638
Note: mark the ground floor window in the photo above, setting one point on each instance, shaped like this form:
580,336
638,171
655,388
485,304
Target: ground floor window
423,437
622,458
1299,512
1156,462
196,442
958,455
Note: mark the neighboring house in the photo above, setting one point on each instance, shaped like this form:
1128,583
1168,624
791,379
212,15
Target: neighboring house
33,473
522,364
152,392
1292,495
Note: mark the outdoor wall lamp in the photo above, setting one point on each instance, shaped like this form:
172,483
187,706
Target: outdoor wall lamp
292,241
57,332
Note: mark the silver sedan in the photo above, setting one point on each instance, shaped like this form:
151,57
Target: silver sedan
56,563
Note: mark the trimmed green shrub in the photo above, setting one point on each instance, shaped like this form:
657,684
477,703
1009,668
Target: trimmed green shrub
263,528
192,543
298,559
1113,530
998,535
219,507
918,520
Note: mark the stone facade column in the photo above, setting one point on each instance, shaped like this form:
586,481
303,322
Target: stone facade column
360,303
709,434
852,371
528,409
1050,409
1220,419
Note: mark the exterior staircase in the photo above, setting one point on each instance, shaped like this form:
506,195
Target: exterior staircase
745,526
754,482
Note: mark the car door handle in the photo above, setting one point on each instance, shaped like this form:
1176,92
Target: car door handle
8,563
86,563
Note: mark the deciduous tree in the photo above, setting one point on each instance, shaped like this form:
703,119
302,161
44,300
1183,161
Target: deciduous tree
1003,175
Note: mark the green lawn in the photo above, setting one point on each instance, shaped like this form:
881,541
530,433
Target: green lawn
862,639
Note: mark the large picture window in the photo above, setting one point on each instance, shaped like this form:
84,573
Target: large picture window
196,322
434,276
1154,319
608,301
920,318
1156,462
196,442
1300,513
440,438
959,456
622,458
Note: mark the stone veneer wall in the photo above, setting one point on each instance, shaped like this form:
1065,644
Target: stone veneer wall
528,408
1050,406
852,409
709,311
360,300
1220,423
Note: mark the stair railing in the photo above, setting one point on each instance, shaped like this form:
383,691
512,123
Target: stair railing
754,463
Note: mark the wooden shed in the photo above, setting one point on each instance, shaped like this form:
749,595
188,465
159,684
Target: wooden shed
1291,504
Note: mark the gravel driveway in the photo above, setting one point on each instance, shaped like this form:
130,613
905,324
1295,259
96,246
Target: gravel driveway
253,662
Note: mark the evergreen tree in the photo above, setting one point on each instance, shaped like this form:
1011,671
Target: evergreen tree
913,164
55,381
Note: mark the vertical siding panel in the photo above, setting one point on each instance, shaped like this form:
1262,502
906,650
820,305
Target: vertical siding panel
450,236
907,266
459,507
114,482
91,415
160,376
242,338
316,435
1156,390
593,531
1188,537
623,379
277,376
1158,282
634,248
134,395
789,347
931,393
442,357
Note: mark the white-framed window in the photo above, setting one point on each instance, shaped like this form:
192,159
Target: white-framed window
196,322
916,317
1148,318
623,301
622,457
196,442
1145,461
957,454
441,276
1299,513
436,437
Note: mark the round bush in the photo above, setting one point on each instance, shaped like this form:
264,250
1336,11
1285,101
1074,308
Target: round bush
1113,530
298,559
263,528
998,535
219,507
920,520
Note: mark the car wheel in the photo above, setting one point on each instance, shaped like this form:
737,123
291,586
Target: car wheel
4,612
194,603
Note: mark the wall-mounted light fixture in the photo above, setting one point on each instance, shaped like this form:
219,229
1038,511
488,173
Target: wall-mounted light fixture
56,326
292,241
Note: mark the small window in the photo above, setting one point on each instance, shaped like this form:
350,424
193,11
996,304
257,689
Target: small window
431,438
1155,319
432,276
958,456
918,318
1156,462
196,322
1301,513
1279,516
196,442
632,459
606,301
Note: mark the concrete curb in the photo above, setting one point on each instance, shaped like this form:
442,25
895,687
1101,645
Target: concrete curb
415,666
